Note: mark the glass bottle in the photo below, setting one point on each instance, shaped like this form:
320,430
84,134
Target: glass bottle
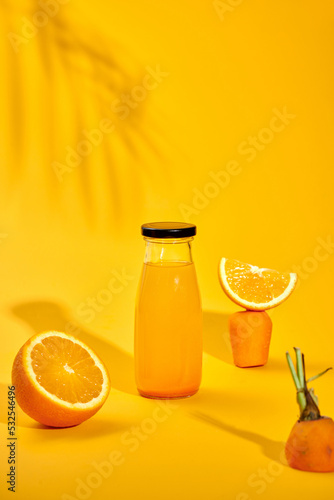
168,320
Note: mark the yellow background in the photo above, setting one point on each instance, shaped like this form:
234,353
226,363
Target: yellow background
62,240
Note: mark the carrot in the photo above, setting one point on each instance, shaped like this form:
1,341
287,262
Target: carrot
310,446
250,333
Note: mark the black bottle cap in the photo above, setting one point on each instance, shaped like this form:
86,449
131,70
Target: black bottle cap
168,230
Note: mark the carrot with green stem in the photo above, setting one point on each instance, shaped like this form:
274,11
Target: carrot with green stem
310,446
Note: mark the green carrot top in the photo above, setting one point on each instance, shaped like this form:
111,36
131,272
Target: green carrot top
307,400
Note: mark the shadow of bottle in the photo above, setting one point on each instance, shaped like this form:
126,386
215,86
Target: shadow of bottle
216,340
46,316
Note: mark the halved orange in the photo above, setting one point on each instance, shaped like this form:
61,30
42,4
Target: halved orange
59,381
255,288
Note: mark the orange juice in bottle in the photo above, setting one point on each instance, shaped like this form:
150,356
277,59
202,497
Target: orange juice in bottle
168,322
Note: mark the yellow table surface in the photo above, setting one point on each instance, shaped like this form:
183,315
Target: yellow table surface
228,69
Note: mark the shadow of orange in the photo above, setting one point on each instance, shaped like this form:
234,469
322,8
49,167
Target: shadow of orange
91,428
45,316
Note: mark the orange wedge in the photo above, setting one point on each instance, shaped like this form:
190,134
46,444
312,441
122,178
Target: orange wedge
255,288
59,381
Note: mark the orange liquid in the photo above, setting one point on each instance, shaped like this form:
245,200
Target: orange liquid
168,331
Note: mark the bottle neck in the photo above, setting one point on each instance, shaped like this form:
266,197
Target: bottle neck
159,251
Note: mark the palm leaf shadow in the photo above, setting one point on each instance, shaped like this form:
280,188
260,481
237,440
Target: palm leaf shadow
110,81
67,43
